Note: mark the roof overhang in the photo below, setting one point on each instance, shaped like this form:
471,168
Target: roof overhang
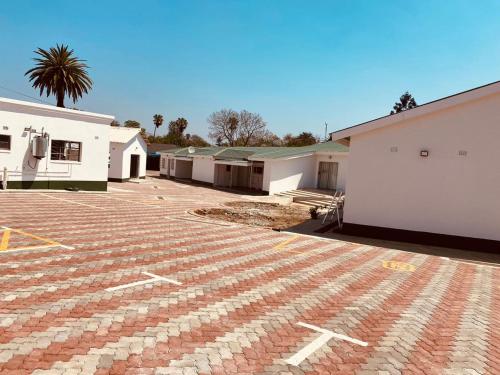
343,136
262,158
336,153
240,163
12,105
183,158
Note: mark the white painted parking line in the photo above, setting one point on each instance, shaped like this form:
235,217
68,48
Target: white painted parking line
135,202
154,278
163,278
305,352
72,202
67,247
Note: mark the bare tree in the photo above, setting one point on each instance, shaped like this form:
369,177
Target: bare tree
251,127
223,126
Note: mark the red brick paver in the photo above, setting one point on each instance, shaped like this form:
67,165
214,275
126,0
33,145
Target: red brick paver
240,300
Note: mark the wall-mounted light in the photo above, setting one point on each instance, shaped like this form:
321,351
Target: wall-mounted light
394,149
5,127
462,153
424,153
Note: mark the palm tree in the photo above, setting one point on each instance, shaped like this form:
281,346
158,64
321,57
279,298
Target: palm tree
406,101
158,121
60,73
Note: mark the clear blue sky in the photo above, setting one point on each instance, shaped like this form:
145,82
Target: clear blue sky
297,63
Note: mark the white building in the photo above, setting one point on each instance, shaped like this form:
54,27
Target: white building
46,147
269,169
127,154
428,174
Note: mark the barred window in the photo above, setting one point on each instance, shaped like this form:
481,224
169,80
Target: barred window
4,142
65,150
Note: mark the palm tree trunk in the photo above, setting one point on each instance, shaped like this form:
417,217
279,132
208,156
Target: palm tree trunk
60,99
154,132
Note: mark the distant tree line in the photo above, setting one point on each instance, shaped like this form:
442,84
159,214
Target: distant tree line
228,127
176,132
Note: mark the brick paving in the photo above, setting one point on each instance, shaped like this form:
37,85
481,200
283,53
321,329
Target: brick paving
240,298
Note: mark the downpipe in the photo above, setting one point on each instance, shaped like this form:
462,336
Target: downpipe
4,179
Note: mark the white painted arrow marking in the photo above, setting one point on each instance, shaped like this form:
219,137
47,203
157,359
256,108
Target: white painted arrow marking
153,279
310,348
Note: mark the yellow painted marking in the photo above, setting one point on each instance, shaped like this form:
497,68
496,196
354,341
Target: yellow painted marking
398,266
286,242
72,202
5,239
30,247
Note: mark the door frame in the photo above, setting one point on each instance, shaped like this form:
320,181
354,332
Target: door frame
333,171
137,165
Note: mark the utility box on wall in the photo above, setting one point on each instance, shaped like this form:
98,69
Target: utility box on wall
39,147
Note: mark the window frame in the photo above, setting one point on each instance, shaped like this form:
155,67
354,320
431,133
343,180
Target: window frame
64,151
9,143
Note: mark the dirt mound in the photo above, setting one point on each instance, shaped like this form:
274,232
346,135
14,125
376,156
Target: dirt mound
257,213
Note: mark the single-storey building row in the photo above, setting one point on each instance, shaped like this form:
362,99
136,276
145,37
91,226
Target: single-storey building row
428,174
268,169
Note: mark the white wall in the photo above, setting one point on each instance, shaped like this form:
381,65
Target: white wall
443,193
284,175
120,157
60,124
203,170
164,171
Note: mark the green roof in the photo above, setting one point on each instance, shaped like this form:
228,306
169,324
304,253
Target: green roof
251,153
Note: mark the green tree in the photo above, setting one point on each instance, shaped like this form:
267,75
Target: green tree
196,141
178,126
406,101
157,121
303,139
132,124
115,123
58,72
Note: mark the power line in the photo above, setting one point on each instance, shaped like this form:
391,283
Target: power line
27,96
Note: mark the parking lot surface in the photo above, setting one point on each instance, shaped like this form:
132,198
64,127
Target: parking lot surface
128,282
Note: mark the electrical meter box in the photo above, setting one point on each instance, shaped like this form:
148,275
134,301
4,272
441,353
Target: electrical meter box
39,147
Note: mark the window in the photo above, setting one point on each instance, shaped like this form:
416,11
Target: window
172,164
4,142
228,168
162,163
258,170
65,150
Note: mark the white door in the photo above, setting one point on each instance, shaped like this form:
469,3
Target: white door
327,175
